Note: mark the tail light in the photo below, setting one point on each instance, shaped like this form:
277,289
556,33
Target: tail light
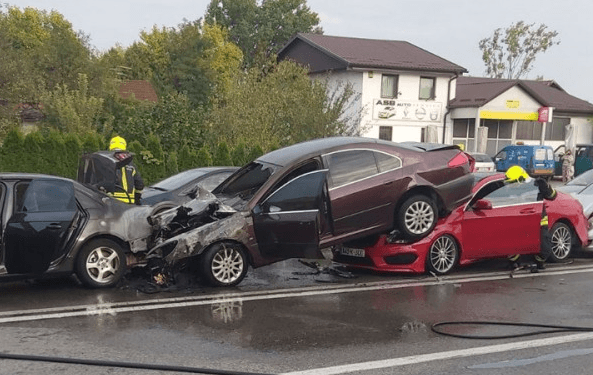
461,159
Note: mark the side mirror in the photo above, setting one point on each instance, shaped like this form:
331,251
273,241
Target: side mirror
483,204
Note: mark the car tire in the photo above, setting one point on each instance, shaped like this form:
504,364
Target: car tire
417,217
224,264
100,264
162,206
561,238
443,255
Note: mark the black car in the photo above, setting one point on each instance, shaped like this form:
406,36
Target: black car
53,225
178,188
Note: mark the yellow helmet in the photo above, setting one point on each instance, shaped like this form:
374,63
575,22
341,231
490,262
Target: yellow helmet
117,143
516,173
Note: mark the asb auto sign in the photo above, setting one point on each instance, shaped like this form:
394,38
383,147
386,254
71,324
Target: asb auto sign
406,110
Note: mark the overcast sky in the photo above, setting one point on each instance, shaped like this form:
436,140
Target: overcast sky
448,28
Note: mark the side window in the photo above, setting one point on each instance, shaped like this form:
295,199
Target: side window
19,194
387,162
349,166
512,194
48,195
300,194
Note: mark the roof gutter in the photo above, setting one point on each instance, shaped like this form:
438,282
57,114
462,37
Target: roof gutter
448,108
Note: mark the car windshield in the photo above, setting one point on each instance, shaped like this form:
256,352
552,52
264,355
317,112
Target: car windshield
247,180
583,180
482,158
177,180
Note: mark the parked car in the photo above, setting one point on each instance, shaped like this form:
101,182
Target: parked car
56,226
179,187
583,159
484,162
293,201
500,220
537,160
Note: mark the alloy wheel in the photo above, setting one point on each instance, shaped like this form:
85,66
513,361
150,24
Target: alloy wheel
419,217
561,242
227,265
443,254
102,264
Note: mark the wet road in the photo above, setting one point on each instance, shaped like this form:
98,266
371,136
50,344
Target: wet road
286,318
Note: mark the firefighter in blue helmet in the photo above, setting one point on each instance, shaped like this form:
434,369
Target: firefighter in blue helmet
129,181
516,174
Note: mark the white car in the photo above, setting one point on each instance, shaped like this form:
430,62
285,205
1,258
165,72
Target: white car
484,162
581,188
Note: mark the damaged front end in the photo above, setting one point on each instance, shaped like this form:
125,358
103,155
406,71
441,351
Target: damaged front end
182,233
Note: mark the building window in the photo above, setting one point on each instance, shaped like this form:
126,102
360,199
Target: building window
389,86
529,130
500,134
386,133
427,87
464,132
555,130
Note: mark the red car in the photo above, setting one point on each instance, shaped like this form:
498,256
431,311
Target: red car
500,220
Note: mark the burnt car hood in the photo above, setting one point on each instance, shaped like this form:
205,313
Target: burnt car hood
184,231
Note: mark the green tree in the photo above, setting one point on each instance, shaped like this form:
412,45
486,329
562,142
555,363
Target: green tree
203,157
280,108
222,155
72,111
260,29
510,53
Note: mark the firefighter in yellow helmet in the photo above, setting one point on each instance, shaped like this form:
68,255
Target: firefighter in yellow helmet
517,174
129,181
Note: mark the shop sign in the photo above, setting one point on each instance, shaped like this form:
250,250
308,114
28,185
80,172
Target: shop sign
513,104
543,114
407,110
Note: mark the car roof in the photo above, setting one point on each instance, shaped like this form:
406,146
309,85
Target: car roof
303,150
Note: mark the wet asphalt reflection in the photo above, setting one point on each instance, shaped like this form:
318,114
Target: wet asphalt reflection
289,316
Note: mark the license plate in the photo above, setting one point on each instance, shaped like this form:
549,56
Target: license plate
352,252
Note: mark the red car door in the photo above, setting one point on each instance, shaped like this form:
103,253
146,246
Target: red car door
510,226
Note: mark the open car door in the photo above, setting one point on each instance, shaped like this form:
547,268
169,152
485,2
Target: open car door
40,226
287,222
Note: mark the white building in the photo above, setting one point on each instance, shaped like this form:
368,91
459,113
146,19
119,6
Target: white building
409,94
403,89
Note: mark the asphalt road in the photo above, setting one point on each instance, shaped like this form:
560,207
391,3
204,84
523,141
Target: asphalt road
291,319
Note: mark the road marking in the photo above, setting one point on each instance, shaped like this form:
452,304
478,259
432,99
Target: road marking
462,353
180,302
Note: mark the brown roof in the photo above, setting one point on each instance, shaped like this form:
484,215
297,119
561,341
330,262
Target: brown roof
142,90
477,91
363,53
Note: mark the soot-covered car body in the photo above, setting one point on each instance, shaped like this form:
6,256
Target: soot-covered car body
500,220
294,201
53,225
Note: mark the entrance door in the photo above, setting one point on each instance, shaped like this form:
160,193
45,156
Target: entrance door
37,231
286,224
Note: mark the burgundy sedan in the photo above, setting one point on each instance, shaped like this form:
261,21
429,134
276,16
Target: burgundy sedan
500,220
294,201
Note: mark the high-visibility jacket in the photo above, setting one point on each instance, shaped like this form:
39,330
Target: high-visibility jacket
129,184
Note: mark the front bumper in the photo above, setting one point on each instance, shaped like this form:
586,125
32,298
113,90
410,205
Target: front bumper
385,257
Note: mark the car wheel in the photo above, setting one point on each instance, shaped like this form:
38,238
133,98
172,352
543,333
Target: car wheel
224,264
100,264
561,238
443,255
417,216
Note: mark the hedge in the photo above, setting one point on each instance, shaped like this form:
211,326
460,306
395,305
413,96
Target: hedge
56,153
